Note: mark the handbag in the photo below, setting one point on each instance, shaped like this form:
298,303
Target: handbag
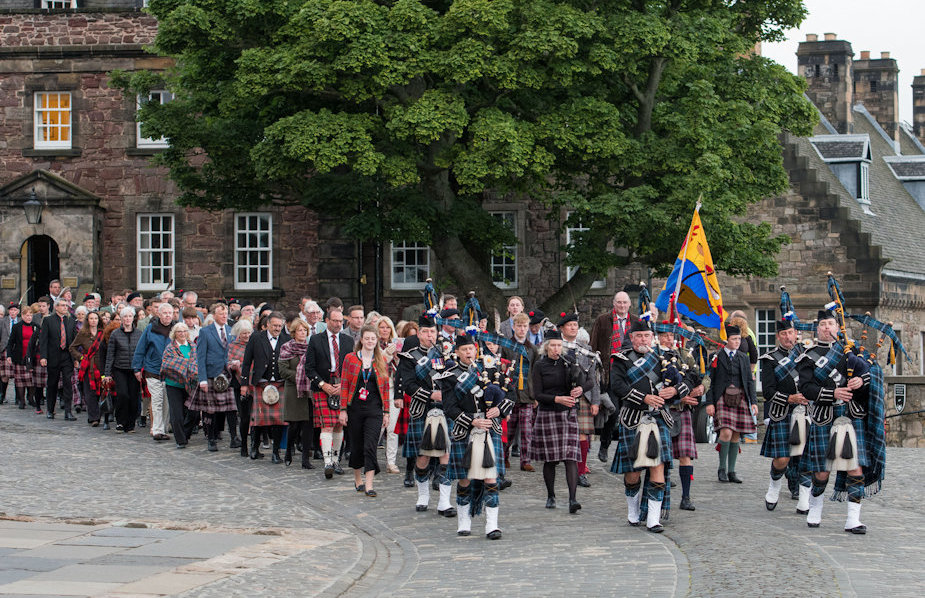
732,396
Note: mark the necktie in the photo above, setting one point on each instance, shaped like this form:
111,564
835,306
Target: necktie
63,334
273,342
221,335
335,355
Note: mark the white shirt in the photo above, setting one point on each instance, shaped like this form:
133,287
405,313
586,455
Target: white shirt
340,350
273,340
731,354
219,329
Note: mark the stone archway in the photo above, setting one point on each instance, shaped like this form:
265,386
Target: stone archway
40,264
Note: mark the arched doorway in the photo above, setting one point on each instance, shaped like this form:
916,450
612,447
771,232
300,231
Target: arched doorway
40,264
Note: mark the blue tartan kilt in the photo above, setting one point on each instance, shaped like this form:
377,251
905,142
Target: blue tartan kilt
622,463
456,471
776,443
413,438
818,442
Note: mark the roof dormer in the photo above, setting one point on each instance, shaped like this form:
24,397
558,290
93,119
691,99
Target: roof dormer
849,158
910,171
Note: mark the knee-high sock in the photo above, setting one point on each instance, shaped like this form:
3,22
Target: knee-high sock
723,454
855,488
549,477
491,507
687,475
327,440
338,440
444,502
633,498
733,455
654,495
462,502
583,447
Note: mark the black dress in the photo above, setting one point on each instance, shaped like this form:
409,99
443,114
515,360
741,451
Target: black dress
364,422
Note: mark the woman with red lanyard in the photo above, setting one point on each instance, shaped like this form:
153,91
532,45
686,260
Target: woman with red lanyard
85,350
364,406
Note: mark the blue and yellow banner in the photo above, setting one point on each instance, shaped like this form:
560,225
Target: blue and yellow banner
693,282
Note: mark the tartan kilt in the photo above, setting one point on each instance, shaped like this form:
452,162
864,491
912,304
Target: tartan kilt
211,401
738,419
324,416
684,444
555,436
76,388
776,443
818,441
622,463
6,369
456,471
267,415
22,376
39,376
401,422
413,437
585,419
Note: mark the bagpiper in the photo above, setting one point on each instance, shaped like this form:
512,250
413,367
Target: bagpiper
785,438
481,397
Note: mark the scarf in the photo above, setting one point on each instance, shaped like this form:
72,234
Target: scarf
88,365
618,334
236,353
874,439
179,368
293,348
641,367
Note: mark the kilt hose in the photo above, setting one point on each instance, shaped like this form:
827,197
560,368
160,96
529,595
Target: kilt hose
738,419
458,471
555,436
684,444
623,461
818,441
325,417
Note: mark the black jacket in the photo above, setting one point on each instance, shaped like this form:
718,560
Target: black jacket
261,362
318,357
724,373
14,346
50,339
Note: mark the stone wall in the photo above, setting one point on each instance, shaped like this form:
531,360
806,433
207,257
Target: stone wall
905,429
76,29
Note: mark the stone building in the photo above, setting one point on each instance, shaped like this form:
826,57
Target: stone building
109,218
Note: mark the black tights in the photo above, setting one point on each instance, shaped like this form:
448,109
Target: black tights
571,477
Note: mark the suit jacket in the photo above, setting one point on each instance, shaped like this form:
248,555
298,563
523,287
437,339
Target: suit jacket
50,340
601,332
507,329
261,361
211,356
5,329
318,357
724,373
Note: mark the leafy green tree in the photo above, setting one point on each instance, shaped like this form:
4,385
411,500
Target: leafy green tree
403,116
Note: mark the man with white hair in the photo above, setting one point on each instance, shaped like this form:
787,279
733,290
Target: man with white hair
146,364
190,298
311,313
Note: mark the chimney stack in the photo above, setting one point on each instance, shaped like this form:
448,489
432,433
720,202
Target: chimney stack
918,106
865,54
827,67
875,86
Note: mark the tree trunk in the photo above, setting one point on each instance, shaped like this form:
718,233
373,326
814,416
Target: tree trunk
567,297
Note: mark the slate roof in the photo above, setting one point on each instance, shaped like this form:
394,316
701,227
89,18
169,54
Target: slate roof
841,148
907,167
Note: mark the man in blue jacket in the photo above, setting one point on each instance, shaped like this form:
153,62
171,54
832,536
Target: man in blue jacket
147,363
212,357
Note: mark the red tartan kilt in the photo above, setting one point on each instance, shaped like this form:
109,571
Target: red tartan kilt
585,419
324,416
267,415
738,419
39,376
684,444
6,369
404,416
504,430
22,374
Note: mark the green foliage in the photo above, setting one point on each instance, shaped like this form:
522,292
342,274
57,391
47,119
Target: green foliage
402,114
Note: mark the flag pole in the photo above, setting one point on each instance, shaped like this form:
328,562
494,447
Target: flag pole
687,239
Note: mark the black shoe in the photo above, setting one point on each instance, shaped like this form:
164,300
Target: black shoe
795,495
274,458
812,524
142,421
674,484
631,524
69,417
328,471
49,415
317,455
451,512
243,449
494,535
235,442
686,504
255,449
721,474
770,505
408,482
106,426
515,452
464,532
602,455
574,506
181,446
120,428
734,478
551,502
802,512
337,469
860,530
504,483
583,481
288,459
420,508
213,446
308,465
656,529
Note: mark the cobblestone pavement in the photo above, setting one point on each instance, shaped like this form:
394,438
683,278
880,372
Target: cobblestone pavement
308,536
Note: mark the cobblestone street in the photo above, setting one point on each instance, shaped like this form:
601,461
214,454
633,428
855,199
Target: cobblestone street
93,513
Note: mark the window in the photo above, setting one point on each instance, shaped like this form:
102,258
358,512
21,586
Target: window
253,251
864,182
59,4
410,265
52,119
504,262
873,86
570,271
161,97
766,329
155,251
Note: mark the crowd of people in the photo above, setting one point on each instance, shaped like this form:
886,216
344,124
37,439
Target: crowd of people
334,384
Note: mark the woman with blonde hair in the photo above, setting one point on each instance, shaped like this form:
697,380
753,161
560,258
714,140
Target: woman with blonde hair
390,345
297,396
181,379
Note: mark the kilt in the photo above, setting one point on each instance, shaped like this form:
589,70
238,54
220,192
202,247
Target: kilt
22,376
413,437
6,369
776,443
585,419
267,415
555,436
623,463
211,401
818,442
456,471
738,419
404,416
684,444
39,376
324,416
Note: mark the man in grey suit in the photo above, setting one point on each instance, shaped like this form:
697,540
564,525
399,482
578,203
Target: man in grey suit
515,305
